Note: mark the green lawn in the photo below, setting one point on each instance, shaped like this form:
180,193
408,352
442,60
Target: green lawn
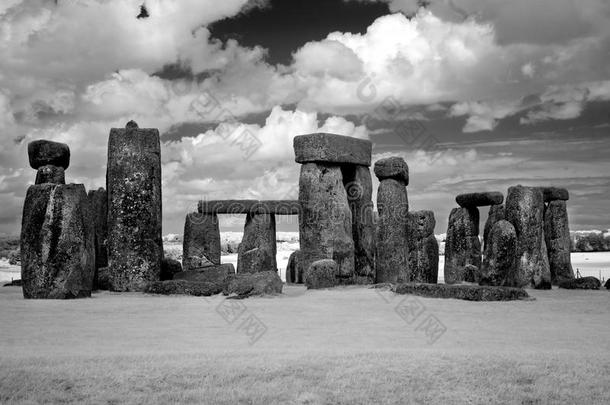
347,346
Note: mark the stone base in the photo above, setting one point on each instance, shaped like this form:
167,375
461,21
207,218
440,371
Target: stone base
466,292
183,287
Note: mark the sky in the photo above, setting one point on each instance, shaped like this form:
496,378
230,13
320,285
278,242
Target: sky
476,95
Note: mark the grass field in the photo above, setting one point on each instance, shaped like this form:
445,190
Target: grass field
342,346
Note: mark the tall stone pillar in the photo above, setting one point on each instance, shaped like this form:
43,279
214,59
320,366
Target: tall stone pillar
499,266
326,223
557,236
525,210
423,247
98,202
496,214
392,254
200,241
57,242
462,246
257,250
133,181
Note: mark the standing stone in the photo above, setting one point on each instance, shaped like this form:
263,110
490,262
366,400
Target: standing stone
525,210
98,202
325,223
500,262
257,250
557,238
133,181
293,275
423,247
321,274
462,246
392,256
50,174
496,213
57,242
201,241
359,188
43,153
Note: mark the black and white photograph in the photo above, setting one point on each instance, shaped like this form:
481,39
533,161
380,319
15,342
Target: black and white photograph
305,202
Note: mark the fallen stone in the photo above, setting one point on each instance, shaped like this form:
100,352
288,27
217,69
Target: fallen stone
554,193
43,153
169,267
557,239
276,207
253,284
392,168
215,274
14,283
133,182
293,275
321,274
462,246
183,287
57,242
257,250
331,148
359,188
201,241
480,199
496,213
50,174
525,210
466,292
392,240
499,264
325,223
423,247
583,283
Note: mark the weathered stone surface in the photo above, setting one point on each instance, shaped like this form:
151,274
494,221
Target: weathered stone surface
479,199
392,168
359,189
325,223
333,149
252,284
554,193
466,292
557,239
500,260
257,250
133,181
496,213
219,273
462,246
321,274
14,283
583,283
57,242
525,210
169,268
43,153
98,202
103,279
183,287
392,250
277,207
607,285
50,174
200,241
293,273
423,247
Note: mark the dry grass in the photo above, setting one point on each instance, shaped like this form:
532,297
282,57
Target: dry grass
345,346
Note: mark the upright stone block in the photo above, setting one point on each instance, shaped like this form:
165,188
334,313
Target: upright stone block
500,260
525,210
496,213
293,273
557,238
98,203
462,246
257,250
423,247
201,241
50,174
57,242
325,223
359,188
133,181
392,254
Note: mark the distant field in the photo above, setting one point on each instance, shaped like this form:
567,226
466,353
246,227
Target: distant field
342,346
